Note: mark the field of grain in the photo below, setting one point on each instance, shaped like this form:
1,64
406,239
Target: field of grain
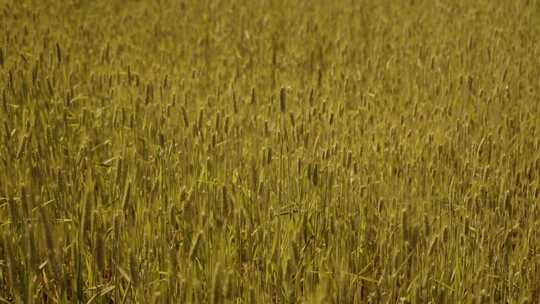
270,151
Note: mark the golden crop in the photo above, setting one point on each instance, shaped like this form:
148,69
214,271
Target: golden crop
269,151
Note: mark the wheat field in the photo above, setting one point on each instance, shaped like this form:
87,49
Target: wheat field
269,151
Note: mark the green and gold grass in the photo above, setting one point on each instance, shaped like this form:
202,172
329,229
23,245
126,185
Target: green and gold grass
269,151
